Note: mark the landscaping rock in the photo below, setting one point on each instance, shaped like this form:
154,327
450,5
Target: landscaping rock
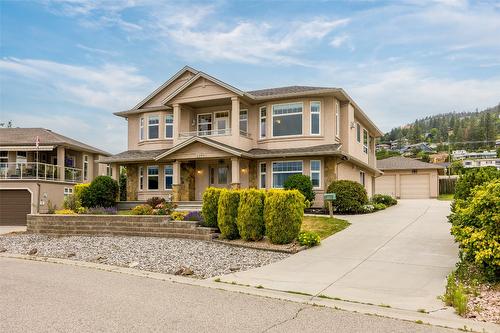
71,254
133,264
234,268
32,252
3,249
184,271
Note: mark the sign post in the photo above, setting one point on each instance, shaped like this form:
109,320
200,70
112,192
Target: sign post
329,197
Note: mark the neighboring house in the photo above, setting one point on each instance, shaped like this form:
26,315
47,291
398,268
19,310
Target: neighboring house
382,146
441,157
484,162
422,146
463,154
407,178
31,175
196,131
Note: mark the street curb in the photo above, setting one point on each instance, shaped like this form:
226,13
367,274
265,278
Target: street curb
445,318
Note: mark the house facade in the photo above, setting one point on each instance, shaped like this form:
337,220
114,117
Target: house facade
196,131
38,167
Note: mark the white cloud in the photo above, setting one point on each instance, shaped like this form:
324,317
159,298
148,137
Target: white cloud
97,50
108,87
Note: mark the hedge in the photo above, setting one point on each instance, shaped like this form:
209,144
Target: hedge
250,220
283,214
228,213
385,199
351,196
472,178
210,206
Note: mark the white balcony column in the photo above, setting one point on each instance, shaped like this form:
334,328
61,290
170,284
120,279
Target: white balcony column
61,158
176,181
177,121
235,173
235,117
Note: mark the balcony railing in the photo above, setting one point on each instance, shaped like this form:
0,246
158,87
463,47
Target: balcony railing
38,171
220,132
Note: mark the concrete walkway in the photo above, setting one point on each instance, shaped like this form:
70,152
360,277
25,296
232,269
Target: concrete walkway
7,229
398,257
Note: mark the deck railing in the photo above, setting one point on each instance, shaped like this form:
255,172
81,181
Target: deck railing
38,171
220,132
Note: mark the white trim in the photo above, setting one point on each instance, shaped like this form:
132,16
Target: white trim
337,118
262,135
245,111
358,126
311,118
284,161
316,171
142,132
284,115
202,140
262,174
365,147
149,125
168,124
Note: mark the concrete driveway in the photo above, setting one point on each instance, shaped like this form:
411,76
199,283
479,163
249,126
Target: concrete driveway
6,229
398,257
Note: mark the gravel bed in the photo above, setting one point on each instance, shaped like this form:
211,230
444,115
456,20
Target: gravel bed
196,258
485,306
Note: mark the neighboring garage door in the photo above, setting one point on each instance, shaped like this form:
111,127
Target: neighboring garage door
386,185
14,206
415,186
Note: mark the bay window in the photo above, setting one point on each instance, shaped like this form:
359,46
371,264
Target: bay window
141,128
337,118
244,121
153,127
316,173
282,170
153,177
287,119
262,126
169,176
365,141
169,126
315,117
358,132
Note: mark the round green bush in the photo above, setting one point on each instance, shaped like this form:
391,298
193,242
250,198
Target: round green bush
351,196
227,214
309,238
102,192
303,184
379,206
250,220
210,206
283,214
385,199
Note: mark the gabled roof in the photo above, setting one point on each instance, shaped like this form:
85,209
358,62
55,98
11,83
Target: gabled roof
27,137
208,142
403,163
132,156
165,84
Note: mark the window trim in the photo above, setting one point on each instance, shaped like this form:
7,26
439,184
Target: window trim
262,135
337,119
262,174
362,178
170,125
198,122
286,161
85,167
358,132
227,130
159,121
165,176
365,136
68,191
245,111
311,118
141,129
311,171
158,175
285,115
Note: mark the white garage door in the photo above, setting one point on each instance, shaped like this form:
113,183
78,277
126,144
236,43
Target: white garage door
386,185
415,187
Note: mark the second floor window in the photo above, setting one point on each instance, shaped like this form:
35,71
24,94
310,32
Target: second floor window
153,177
85,167
365,141
169,126
153,127
315,117
287,119
204,124
141,129
262,125
337,118
358,132
244,121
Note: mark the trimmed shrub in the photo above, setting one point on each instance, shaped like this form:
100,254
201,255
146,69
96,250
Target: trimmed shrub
194,216
178,216
472,178
102,192
303,184
476,228
351,196
210,207
250,220
79,188
385,199
142,210
64,212
227,213
309,238
283,214
155,201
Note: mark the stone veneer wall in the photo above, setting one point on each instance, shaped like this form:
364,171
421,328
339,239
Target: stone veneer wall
187,186
253,175
117,225
132,181
330,171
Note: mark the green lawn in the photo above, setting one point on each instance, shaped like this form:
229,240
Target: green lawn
323,226
446,197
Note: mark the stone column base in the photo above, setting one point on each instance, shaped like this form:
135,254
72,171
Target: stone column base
176,192
235,186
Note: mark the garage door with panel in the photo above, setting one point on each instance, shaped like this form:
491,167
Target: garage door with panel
415,186
386,185
14,206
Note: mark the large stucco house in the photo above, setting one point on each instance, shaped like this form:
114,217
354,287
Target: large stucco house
196,131
38,167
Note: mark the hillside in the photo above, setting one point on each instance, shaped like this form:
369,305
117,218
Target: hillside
471,130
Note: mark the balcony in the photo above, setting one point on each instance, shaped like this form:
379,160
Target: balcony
38,171
209,133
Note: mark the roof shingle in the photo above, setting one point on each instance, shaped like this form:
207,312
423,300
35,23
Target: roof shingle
403,163
284,90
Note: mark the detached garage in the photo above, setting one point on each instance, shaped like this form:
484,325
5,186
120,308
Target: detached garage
406,178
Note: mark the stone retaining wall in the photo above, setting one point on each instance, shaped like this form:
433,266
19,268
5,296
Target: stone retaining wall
117,225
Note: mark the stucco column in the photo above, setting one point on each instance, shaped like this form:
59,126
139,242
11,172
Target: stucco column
235,173
235,117
115,171
176,181
177,121
61,157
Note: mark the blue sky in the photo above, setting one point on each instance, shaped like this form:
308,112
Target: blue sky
67,65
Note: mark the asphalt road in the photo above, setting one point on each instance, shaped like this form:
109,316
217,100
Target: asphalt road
46,297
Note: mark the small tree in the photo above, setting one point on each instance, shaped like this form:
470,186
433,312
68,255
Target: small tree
303,184
102,192
351,196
